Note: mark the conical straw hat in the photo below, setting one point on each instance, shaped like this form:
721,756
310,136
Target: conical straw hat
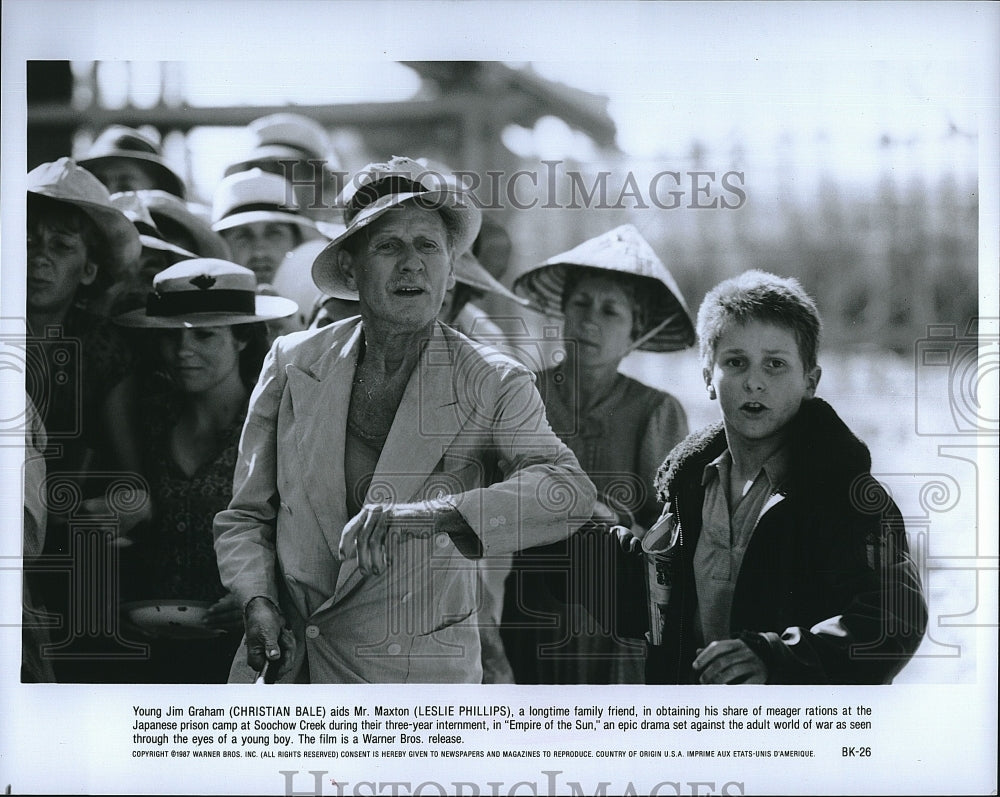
624,251
469,271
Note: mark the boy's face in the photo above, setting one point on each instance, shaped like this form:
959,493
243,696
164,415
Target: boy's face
758,376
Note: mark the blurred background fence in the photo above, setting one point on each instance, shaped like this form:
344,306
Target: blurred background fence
887,249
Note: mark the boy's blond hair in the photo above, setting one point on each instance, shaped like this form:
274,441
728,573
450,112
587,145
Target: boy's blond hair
759,296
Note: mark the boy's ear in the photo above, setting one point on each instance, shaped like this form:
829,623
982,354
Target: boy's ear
812,381
346,265
89,274
706,374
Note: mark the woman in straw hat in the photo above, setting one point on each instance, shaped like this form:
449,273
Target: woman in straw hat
382,456
206,338
125,159
256,213
79,246
615,296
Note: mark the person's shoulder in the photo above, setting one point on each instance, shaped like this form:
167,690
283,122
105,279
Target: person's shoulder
829,465
479,357
306,343
819,437
694,451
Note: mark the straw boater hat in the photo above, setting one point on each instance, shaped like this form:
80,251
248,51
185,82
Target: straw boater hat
65,181
378,188
135,210
624,251
285,136
205,292
123,142
171,213
253,196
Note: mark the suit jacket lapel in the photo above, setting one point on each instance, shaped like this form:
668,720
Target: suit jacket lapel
427,421
320,396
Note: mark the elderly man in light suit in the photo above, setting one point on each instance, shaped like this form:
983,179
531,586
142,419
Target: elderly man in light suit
382,456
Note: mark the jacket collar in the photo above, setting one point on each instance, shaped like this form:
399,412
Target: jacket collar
822,452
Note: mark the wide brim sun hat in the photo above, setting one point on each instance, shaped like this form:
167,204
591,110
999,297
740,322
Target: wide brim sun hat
293,130
256,196
205,292
120,142
169,211
132,205
377,189
285,136
271,158
66,181
624,251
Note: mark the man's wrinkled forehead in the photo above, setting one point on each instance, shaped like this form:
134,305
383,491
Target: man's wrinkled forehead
410,219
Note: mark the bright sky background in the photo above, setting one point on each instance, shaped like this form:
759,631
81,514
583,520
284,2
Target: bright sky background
814,115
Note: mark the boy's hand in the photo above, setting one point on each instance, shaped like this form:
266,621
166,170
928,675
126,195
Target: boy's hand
729,661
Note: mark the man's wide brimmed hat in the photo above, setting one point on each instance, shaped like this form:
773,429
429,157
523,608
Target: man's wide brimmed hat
254,196
65,181
119,141
380,187
205,292
620,251
173,215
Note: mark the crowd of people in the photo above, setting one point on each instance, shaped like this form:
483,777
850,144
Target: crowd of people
341,470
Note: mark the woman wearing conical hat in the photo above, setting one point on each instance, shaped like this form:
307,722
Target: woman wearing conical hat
615,296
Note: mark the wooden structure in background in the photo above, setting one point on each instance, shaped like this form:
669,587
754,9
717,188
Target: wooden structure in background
457,116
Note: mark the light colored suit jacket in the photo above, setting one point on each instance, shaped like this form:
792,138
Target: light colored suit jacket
471,427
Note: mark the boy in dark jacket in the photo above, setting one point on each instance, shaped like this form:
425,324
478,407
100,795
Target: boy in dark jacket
789,562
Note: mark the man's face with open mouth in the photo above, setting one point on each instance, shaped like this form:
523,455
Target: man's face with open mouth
405,268
759,379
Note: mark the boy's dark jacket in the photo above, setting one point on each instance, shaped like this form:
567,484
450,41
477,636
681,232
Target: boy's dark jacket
833,545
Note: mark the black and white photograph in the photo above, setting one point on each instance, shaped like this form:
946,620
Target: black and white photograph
499,398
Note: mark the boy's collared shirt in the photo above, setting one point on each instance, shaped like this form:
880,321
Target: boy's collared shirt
725,534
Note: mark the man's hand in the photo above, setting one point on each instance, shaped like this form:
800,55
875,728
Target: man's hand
628,540
267,638
367,534
729,661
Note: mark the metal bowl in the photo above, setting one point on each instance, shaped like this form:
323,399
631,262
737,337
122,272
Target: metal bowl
171,618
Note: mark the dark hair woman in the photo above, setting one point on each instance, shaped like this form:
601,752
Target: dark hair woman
207,339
